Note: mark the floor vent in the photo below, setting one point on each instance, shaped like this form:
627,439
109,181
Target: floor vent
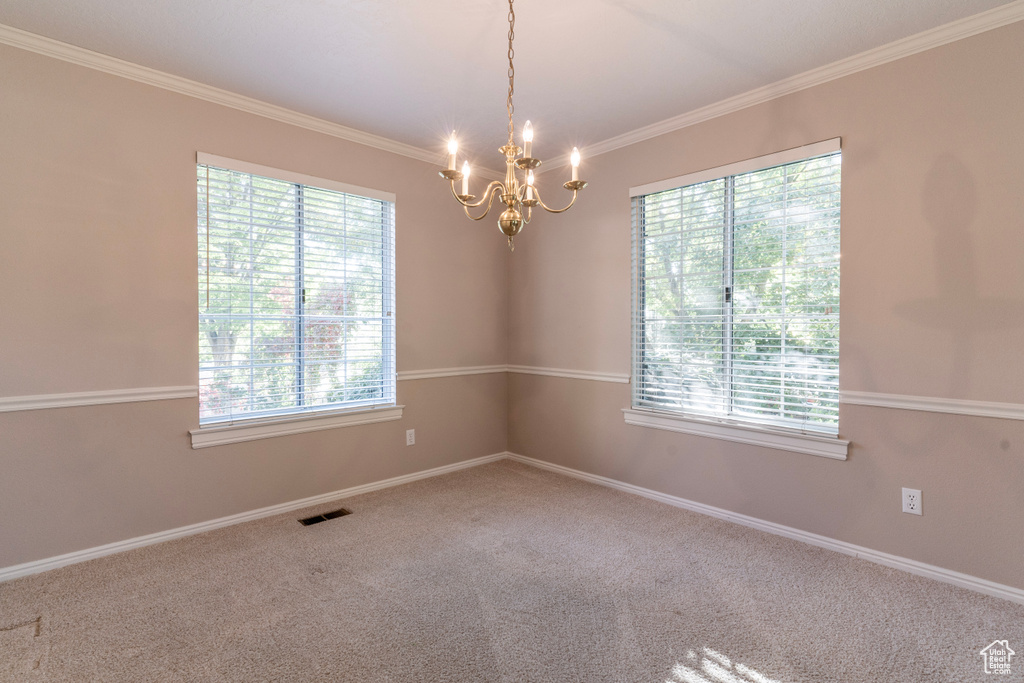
316,519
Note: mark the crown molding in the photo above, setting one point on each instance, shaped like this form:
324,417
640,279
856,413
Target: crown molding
926,40
49,47
488,173
905,47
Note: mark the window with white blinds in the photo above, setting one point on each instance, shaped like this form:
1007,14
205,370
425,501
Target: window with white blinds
296,293
736,292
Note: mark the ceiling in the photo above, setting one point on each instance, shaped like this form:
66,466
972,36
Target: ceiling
413,70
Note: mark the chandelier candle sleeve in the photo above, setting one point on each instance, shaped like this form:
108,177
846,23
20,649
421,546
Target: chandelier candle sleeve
465,178
528,140
529,186
574,159
453,148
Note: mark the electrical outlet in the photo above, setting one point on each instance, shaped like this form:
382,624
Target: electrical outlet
912,501
410,438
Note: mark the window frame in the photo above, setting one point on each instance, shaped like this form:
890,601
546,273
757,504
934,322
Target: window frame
265,424
729,427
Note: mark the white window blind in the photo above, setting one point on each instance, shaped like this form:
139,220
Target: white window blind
736,295
296,294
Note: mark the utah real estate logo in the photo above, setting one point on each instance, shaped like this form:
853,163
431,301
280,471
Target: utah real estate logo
997,657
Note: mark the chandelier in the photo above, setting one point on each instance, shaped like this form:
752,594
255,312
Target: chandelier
518,196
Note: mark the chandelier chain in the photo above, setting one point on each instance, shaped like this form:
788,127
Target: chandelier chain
511,68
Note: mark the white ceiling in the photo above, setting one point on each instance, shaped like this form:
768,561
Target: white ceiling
413,70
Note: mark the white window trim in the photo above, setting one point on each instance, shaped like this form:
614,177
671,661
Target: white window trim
291,176
318,418
769,437
251,430
728,429
786,156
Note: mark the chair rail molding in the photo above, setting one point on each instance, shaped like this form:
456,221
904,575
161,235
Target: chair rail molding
451,372
570,374
10,404
517,369
954,406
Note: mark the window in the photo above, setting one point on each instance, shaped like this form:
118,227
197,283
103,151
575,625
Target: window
736,292
296,293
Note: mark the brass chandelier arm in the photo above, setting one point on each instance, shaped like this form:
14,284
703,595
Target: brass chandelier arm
492,189
521,192
547,208
472,205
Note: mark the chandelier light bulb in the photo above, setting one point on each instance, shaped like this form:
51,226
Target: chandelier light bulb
528,140
529,179
465,177
453,148
574,159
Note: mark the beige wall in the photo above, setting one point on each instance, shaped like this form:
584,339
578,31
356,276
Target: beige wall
932,305
98,290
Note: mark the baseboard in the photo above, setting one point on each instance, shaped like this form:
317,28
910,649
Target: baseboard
47,564
896,562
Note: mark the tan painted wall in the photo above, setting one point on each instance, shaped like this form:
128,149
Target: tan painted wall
98,291
932,305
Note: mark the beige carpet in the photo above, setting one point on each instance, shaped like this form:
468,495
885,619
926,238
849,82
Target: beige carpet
500,573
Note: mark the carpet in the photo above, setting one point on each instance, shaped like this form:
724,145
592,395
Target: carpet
499,573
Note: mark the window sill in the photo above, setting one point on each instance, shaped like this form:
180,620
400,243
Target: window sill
218,435
781,439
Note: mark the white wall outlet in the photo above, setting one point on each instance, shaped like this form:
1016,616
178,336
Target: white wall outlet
912,501
410,439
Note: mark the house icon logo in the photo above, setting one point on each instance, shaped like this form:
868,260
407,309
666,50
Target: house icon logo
997,657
